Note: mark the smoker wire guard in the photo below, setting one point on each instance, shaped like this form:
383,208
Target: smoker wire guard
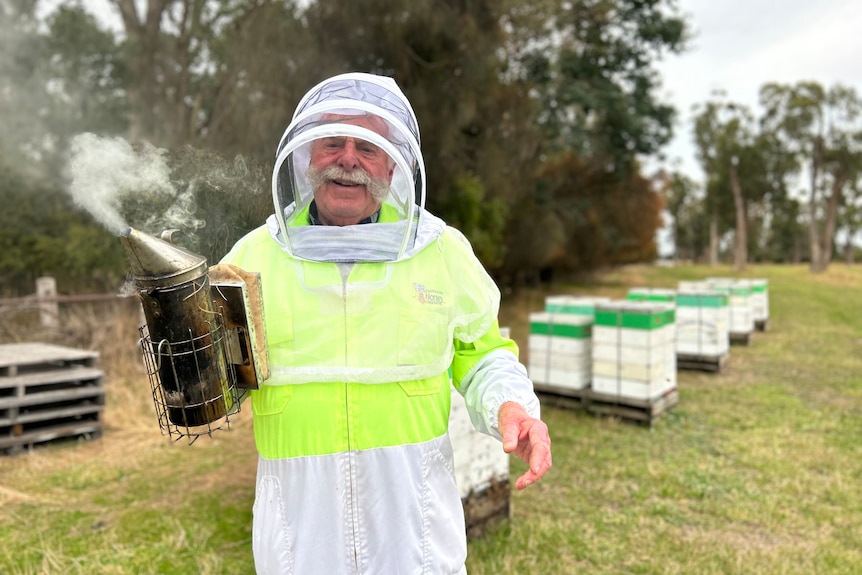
237,328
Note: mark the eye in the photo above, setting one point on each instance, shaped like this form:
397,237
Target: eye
368,149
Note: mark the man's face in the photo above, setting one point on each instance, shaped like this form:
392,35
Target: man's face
346,174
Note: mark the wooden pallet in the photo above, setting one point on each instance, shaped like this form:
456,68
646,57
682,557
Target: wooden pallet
563,397
486,508
761,324
47,393
641,410
739,338
709,363
628,408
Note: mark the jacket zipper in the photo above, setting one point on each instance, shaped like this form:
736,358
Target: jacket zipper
345,270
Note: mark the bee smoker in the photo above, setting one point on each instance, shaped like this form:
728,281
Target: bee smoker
202,348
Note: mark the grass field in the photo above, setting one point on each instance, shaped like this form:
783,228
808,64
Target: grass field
757,470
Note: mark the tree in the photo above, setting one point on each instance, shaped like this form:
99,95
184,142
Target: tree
821,128
591,66
479,136
726,149
689,227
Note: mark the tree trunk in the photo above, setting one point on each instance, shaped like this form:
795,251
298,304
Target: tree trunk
741,251
813,235
829,225
142,39
848,247
712,257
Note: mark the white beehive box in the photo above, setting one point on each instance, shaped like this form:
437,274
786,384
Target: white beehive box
692,286
741,311
702,324
660,295
559,351
633,350
573,305
760,302
479,459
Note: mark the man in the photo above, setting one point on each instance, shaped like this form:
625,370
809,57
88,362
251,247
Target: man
369,302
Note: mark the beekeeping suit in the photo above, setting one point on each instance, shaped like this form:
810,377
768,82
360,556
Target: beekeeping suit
363,323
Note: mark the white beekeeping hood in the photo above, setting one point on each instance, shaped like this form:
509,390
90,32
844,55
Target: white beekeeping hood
317,116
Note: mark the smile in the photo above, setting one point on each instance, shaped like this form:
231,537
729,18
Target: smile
346,183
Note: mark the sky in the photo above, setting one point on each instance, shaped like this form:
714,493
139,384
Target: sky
739,45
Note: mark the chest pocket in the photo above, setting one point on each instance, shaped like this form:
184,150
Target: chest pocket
420,387
270,399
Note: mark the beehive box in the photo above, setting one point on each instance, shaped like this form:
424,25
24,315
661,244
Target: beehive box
760,303
740,308
559,351
573,305
689,286
702,332
633,350
481,470
652,295
48,392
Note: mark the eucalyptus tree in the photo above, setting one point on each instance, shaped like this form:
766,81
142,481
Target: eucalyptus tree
786,237
850,217
724,137
684,200
821,128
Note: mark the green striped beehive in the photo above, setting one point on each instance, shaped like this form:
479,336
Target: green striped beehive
760,302
660,295
702,329
633,349
740,308
574,305
559,351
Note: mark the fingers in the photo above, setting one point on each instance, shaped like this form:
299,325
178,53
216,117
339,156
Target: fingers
540,453
511,436
526,480
539,450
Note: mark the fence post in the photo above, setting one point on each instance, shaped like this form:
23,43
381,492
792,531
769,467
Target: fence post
49,311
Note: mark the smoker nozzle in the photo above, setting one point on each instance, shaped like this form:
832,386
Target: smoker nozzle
157,263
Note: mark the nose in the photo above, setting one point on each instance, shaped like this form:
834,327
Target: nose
349,159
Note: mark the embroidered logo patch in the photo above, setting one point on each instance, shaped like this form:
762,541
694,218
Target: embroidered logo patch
429,296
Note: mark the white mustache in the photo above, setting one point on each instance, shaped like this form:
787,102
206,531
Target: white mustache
377,187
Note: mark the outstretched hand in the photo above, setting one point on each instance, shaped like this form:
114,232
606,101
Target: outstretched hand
526,437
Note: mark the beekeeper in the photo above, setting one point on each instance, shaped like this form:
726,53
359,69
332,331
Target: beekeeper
369,299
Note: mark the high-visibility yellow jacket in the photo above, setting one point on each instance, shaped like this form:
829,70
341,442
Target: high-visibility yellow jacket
355,472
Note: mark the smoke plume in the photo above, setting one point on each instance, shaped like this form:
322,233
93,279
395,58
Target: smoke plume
104,171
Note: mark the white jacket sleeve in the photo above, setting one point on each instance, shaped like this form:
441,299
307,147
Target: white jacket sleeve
497,378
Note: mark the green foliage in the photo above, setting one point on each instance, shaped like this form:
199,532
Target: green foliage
588,218
820,129
690,227
480,218
41,233
223,77
591,64
230,198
